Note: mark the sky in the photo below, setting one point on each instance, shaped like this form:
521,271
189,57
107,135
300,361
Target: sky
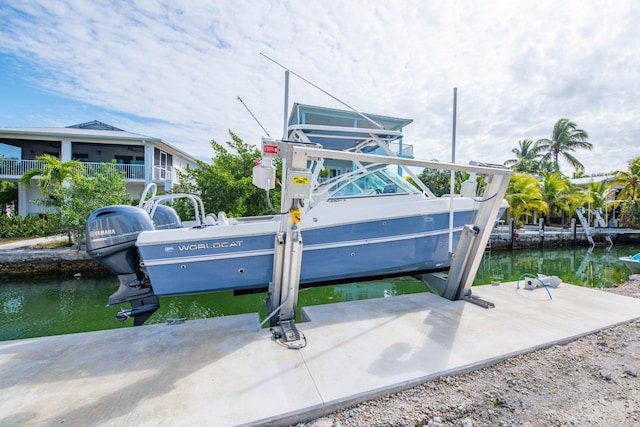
174,70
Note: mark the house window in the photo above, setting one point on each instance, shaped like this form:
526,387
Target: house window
163,165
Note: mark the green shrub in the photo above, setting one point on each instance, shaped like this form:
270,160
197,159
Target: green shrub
17,227
630,214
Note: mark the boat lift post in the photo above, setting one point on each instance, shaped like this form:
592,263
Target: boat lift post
296,190
283,290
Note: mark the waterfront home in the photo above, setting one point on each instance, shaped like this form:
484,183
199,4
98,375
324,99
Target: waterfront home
143,159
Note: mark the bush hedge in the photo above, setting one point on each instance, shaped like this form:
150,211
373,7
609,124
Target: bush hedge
630,214
16,227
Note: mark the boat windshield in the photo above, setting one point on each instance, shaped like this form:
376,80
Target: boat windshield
367,181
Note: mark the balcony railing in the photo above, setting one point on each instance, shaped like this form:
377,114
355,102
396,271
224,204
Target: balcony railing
162,173
17,168
407,149
12,168
135,172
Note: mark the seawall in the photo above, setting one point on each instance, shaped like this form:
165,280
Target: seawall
24,261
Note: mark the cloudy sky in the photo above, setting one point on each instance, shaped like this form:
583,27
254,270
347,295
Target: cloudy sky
175,71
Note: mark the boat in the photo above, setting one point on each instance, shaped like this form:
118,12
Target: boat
366,222
632,262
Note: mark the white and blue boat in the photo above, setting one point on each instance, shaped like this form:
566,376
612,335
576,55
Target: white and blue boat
365,222
632,262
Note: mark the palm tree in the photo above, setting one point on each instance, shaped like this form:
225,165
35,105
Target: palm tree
559,194
527,157
566,138
524,195
52,173
629,180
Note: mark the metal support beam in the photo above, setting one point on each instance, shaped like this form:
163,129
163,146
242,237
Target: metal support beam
474,239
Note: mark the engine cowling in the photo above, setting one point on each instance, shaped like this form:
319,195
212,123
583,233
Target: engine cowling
111,236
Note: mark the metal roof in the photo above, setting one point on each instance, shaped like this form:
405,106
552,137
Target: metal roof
74,133
94,131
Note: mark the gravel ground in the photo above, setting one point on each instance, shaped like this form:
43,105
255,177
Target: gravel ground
592,381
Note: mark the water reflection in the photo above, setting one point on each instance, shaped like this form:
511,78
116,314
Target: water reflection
592,267
58,304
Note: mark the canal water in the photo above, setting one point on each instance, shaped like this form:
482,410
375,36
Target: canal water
60,304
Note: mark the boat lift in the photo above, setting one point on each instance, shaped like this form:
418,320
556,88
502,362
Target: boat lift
297,185
599,222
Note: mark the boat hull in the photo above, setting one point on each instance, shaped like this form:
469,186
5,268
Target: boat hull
632,264
240,257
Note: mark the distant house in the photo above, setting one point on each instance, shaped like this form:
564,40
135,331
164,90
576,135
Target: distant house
143,159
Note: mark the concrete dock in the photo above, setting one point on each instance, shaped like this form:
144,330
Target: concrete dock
224,372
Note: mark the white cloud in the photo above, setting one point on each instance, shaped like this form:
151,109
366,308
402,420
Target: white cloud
519,66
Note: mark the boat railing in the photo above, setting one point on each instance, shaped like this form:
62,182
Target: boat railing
150,205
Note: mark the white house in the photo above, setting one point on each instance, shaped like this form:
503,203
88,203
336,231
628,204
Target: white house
144,159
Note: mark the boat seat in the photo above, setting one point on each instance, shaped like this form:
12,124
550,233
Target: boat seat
210,219
222,218
390,188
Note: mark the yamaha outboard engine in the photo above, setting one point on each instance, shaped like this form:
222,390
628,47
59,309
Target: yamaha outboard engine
165,217
111,236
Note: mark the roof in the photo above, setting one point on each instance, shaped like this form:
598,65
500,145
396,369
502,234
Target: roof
589,179
95,131
95,125
72,132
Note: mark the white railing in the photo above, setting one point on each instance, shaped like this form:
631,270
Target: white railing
14,168
17,168
135,172
162,173
407,149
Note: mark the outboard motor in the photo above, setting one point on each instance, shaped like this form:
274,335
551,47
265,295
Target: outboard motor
165,217
112,232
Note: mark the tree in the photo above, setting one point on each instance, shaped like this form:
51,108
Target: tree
227,185
439,180
565,139
630,214
8,195
559,194
527,157
524,195
52,176
84,194
629,180
597,193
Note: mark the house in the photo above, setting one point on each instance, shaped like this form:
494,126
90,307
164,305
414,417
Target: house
143,159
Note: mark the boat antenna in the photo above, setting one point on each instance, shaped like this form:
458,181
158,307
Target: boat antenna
254,117
379,126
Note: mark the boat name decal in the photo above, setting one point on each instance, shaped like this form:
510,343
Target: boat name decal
214,245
